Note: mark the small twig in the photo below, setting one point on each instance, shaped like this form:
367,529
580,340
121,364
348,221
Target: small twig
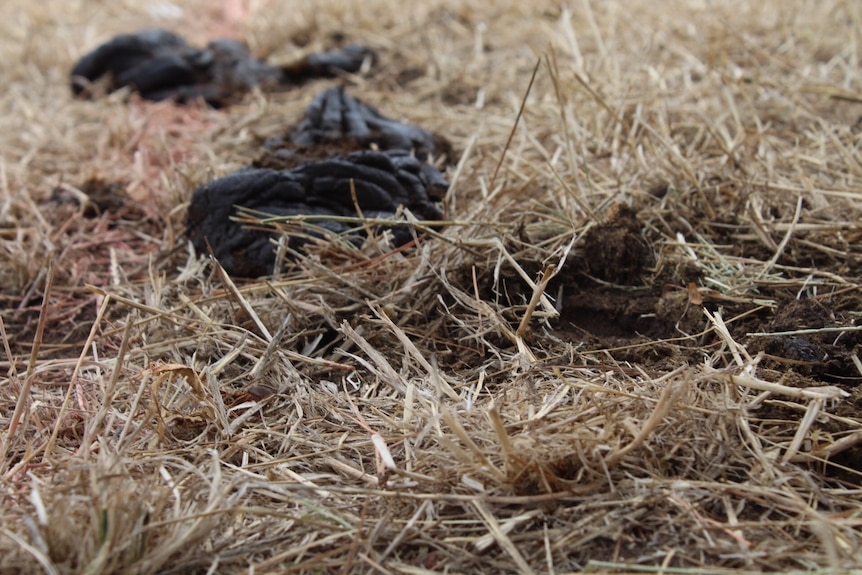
515,126
805,331
499,534
23,401
784,241
538,292
751,382
242,301
668,397
74,383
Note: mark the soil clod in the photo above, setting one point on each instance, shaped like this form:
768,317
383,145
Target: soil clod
617,251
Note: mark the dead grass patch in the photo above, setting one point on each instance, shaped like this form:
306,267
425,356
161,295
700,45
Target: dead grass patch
633,345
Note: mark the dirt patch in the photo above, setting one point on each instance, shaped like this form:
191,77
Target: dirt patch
616,251
616,292
826,355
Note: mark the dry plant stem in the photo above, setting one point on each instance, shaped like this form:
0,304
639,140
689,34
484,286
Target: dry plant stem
355,200
538,292
554,71
451,420
499,534
451,199
381,449
154,313
74,384
672,392
811,414
349,471
822,392
857,363
433,372
272,348
747,379
832,449
573,160
506,446
849,328
574,193
684,164
515,125
243,302
44,561
106,403
424,508
23,402
22,398
13,371
380,366
733,533
785,240
849,156
740,354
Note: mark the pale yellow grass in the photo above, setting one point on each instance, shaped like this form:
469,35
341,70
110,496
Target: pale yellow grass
418,412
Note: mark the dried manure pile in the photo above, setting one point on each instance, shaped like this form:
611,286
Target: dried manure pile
475,287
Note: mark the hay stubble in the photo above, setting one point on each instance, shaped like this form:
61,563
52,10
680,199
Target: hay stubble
493,400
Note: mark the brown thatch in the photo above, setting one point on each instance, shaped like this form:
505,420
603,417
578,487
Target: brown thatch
633,345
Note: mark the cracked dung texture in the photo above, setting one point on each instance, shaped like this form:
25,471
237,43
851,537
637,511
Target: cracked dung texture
384,182
337,117
160,65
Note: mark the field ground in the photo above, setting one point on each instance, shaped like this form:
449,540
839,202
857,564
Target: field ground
632,346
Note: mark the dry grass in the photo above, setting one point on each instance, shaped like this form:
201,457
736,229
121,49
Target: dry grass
436,409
